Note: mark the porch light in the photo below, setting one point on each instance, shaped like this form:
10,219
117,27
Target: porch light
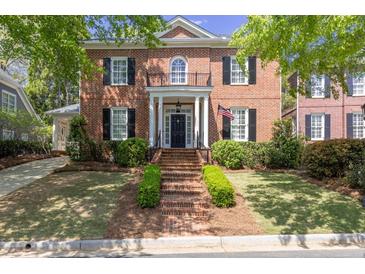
363,111
178,107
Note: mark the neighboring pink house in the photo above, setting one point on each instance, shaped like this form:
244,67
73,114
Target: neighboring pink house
319,116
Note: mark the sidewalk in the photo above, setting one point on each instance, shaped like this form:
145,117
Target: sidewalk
15,177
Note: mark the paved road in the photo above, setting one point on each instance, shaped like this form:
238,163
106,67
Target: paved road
15,177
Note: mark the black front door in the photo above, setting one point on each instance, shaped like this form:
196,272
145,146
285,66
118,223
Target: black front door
177,130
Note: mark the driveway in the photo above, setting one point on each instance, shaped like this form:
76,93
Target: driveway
18,176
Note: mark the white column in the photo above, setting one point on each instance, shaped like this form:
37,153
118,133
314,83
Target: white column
206,121
196,120
54,133
160,112
152,121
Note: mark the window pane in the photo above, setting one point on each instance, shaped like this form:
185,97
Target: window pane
119,124
317,126
239,124
317,86
359,85
358,126
119,71
237,75
178,71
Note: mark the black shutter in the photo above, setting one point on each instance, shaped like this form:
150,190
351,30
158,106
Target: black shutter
252,70
226,128
106,124
308,89
131,122
327,126
107,73
226,70
349,123
350,85
252,125
131,71
327,86
308,125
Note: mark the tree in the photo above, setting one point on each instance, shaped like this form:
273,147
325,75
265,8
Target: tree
51,46
331,45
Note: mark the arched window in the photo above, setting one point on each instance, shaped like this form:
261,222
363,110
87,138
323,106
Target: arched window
178,70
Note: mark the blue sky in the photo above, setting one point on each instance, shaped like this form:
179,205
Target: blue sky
217,24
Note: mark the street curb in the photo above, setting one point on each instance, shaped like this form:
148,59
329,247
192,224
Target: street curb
225,242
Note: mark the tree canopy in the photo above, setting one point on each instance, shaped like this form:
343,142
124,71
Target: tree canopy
51,48
331,45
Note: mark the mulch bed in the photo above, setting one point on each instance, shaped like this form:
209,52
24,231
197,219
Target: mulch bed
96,166
21,159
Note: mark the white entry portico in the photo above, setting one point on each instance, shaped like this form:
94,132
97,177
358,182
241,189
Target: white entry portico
172,125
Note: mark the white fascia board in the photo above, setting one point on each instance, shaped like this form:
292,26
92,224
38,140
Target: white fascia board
179,91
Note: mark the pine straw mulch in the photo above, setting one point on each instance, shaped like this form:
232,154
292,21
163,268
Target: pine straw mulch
131,221
10,161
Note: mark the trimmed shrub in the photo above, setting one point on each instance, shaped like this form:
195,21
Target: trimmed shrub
219,187
332,158
228,153
17,147
254,154
132,152
149,188
356,175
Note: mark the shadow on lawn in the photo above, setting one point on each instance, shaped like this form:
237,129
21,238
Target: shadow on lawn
63,205
300,207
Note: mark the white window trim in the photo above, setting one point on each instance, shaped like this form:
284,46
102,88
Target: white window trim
247,125
186,70
363,129
363,89
111,123
246,78
112,68
323,127
9,94
323,85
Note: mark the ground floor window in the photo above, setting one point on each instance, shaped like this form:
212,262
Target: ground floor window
239,125
119,123
24,137
317,127
358,126
8,134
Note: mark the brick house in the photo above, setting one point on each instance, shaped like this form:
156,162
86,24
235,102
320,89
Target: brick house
320,116
170,95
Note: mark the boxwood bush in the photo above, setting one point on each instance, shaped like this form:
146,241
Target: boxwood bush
132,152
219,187
228,153
332,158
149,188
356,175
255,154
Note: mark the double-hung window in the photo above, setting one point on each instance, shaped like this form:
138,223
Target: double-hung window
358,126
119,123
358,85
8,134
237,75
178,71
8,101
239,125
119,71
317,127
317,86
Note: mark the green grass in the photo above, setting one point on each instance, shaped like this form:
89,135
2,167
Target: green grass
68,205
286,204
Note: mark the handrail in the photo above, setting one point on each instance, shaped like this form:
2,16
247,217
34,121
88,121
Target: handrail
179,79
158,141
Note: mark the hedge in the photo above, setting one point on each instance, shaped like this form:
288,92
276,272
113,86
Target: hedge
228,153
219,187
255,154
132,152
332,158
17,147
149,188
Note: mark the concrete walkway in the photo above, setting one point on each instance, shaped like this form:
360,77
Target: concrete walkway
15,177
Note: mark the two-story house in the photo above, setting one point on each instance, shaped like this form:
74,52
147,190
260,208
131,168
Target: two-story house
170,95
320,116
12,99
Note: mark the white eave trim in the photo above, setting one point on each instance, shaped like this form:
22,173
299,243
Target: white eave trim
180,91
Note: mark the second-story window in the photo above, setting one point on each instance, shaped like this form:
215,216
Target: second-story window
8,101
318,86
178,71
358,125
237,75
358,85
119,70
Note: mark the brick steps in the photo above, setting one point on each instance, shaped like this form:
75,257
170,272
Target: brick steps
184,203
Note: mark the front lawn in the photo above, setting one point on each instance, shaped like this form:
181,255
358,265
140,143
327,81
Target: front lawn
286,204
67,205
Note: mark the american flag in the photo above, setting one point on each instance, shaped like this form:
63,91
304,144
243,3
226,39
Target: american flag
225,112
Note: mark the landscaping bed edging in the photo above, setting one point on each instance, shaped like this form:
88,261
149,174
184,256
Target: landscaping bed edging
226,242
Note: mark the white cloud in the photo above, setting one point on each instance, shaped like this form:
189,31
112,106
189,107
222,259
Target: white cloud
200,22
